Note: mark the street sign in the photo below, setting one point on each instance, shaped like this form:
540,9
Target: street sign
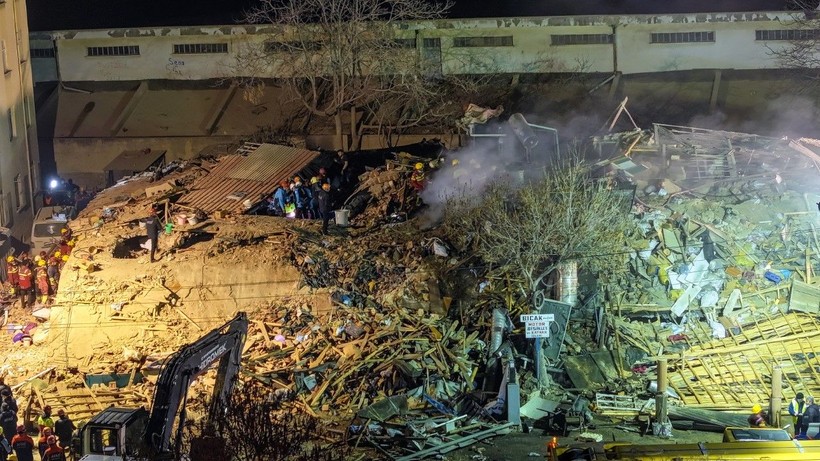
537,325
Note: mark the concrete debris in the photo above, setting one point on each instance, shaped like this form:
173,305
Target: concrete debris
389,326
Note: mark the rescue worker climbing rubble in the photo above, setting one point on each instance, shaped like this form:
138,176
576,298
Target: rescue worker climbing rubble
26,285
418,177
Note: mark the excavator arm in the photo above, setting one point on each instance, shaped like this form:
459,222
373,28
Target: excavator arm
224,345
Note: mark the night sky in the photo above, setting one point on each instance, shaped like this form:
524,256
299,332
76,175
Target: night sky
89,14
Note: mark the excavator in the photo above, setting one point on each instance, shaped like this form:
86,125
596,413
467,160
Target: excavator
134,433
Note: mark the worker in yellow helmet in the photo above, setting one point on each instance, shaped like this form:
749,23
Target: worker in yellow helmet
12,274
417,178
758,418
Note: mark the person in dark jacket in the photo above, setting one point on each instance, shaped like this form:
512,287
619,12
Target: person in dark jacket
812,415
323,199
8,421
64,428
152,228
8,399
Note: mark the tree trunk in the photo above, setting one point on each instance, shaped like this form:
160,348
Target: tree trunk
340,139
355,139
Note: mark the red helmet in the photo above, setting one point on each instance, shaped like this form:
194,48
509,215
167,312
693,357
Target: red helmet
21,429
47,430
51,440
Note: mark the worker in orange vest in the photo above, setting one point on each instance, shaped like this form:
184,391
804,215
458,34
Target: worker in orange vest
12,273
25,283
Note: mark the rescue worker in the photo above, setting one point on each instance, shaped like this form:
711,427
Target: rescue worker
45,420
417,178
42,442
63,428
5,446
12,273
23,445
280,197
152,229
811,415
8,399
758,418
26,284
8,421
302,196
53,271
53,452
315,187
323,200
796,408
41,276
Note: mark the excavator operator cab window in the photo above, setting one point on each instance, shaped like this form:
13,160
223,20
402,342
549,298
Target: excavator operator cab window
104,441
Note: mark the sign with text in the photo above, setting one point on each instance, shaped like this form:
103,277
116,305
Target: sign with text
537,325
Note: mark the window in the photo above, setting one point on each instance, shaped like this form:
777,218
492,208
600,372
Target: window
278,47
12,124
42,52
4,57
581,39
404,43
683,37
464,42
128,50
431,42
20,188
201,48
788,34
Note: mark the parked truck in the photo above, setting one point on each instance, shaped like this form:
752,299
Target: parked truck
135,433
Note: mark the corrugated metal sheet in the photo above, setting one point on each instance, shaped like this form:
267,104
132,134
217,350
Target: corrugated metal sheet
251,176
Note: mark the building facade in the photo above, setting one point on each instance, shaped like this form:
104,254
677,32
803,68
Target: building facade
169,89
19,157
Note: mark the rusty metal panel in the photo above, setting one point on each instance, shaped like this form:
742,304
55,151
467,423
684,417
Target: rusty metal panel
241,177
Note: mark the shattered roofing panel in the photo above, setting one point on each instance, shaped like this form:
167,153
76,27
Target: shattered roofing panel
238,177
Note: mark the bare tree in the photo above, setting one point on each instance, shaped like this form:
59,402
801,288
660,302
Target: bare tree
799,46
345,58
564,216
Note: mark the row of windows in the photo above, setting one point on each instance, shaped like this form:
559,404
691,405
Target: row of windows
458,42
134,50
201,48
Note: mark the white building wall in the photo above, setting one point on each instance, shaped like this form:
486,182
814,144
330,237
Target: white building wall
18,135
533,50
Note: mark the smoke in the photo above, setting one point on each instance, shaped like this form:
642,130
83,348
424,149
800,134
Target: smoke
466,173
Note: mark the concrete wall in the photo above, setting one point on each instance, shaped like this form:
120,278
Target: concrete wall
532,50
18,133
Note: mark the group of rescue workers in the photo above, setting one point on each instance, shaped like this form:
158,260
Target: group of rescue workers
54,435
804,412
294,199
27,278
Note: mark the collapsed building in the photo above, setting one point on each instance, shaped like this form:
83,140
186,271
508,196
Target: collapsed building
393,327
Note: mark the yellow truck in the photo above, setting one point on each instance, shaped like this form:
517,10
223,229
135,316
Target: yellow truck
739,443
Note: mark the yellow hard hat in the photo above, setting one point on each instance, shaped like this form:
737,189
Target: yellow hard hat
757,408
57,254
63,230
41,262
419,166
455,162
70,243
9,259
314,180
65,258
